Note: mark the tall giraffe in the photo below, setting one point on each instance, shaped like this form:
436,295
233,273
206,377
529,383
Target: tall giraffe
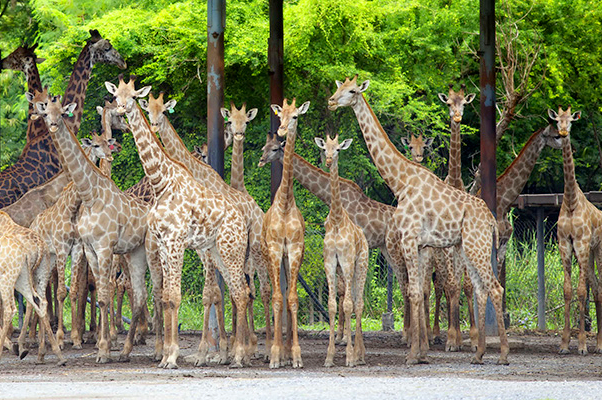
111,222
283,235
186,214
209,178
579,232
417,145
345,246
236,123
24,266
429,213
40,161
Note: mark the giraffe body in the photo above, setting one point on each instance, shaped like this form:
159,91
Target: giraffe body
579,233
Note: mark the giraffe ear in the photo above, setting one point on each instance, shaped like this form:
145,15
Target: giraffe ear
143,92
364,86
405,141
345,145
69,108
99,110
320,143
470,98
197,149
339,83
251,114
428,142
86,142
575,116
170,104
443,97
29,97
143,104
41,106
111,87
552,114
225,113
277,109
304,107
40,60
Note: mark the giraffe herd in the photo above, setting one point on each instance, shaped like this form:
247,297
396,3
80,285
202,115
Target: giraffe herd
55,202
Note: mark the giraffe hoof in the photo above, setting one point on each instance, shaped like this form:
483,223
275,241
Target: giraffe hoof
102,360
274,364
350,363
123,358
15,348
77,346
502,362
564,351
61,363
598,351
329,363
476,361
24,353
236,365
171,365
40,361
412,361
582,352
452,348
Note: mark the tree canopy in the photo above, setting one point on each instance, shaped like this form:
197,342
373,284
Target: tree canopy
410,50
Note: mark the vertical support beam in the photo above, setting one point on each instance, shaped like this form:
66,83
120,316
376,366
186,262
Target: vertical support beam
541,277
488,159
276,73
216,23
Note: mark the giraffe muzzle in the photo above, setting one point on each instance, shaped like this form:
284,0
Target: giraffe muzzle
53,128
332,104
154,128
457,118
563,133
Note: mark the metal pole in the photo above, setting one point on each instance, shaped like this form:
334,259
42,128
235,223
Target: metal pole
216,23
488,160
541,278
276,73
314,298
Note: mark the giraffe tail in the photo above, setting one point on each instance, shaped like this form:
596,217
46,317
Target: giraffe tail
496,237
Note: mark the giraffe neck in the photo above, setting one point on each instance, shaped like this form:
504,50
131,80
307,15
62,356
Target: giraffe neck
571,188
84,174
158,167
176,149
454,174
37,127
391,164
336,204
69,200
512,181
237,179
76,89
285,194
312,178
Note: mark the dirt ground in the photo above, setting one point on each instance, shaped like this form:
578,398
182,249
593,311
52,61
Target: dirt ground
533,357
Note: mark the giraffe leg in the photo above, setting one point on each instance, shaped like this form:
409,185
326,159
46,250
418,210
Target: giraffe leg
598,299
22,348
415,291
566,250
61,295
266,293
453,277
77,276
295,256
275,256
582,252
8,312
341,338
175,259
361,270
468,292
100,264
330,264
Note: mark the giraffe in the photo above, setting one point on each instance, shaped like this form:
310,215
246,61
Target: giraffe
209,178
57,226
579,232
345,245
24,267
236,125
417,145
110,222
40,161
429,213
283,235
186,214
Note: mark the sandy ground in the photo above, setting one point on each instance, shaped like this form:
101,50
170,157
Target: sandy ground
536,371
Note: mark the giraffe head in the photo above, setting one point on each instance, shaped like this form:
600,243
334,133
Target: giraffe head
37,97
288,115
348,93
111,118
564,119
236,121
126,93
456,101
200,152
273,150
156,109
22,59
101,147
332,148
101,51
417,144
53,112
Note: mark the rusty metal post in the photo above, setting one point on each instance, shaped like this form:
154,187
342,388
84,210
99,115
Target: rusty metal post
216,23
488,145
276,73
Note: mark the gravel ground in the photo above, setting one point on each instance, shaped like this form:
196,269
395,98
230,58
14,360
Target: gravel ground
536,371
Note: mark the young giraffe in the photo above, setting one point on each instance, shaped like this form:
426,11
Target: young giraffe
283,235
417,145
40,161
344,245
579,231
24,266
209,178
186,214
429,213
111,222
